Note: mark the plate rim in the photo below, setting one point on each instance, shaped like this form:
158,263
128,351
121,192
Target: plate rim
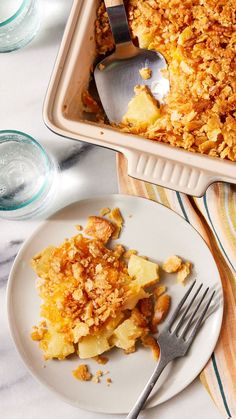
12,328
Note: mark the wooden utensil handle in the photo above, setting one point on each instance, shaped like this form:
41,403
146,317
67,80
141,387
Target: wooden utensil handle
113,3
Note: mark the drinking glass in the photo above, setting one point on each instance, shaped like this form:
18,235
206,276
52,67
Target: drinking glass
19,23
27,175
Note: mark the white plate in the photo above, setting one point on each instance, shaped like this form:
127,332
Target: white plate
154,231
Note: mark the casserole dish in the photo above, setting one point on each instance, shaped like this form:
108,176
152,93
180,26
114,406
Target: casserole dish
148,160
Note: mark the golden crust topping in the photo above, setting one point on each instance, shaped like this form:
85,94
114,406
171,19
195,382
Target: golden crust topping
145,73
99,228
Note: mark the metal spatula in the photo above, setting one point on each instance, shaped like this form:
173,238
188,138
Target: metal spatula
118,74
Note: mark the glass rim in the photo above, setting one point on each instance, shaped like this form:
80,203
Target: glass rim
48,165
15,15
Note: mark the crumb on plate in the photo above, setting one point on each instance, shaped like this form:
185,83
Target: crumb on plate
82,373
96,378
116,217
104,211
184,272
172,264
109,381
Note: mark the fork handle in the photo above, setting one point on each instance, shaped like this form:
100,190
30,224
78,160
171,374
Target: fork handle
133,414
118,21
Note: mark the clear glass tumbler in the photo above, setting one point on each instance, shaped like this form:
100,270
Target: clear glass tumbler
27,176
19,23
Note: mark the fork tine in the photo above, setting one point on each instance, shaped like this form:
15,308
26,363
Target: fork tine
181,321
188,325
201,318
176,312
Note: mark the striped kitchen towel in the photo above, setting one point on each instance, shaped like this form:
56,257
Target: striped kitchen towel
214,216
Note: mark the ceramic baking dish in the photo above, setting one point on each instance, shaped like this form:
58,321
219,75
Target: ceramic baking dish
148,160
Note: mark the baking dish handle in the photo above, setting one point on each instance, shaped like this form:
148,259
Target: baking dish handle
171,174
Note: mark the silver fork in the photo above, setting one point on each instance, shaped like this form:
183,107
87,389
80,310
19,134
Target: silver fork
175,343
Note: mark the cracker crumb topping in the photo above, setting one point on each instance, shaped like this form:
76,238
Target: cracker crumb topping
172,264
82,373
145,73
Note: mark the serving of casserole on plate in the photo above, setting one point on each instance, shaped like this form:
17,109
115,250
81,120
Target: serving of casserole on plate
96,298
192,137
73,297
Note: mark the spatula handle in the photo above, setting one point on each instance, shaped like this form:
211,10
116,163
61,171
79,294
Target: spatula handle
118,21
113,3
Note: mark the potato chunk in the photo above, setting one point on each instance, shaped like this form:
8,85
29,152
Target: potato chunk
143,271
54,345
42,261
136,294
142,110
94,345
91,346
126,334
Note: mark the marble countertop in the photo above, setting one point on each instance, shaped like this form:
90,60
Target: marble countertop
84,171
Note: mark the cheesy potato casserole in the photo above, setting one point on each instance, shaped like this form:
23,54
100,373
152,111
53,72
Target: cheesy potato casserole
198,40
95,298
